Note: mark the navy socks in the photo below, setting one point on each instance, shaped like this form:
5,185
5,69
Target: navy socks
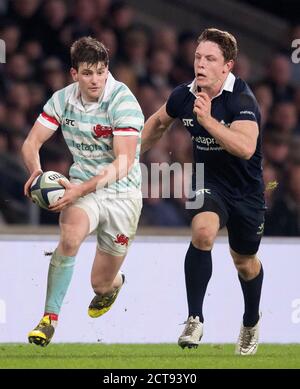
252,291
198,270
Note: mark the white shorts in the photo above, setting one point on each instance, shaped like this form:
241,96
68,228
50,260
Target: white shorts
115,220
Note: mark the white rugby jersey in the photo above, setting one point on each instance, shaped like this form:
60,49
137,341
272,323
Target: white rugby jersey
89,130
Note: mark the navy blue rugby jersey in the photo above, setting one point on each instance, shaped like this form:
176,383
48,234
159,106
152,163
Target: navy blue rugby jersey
237,177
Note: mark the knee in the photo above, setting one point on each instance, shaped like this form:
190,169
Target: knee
203,238
243,268
70,245
247,265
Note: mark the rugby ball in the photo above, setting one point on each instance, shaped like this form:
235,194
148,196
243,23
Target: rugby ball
45,189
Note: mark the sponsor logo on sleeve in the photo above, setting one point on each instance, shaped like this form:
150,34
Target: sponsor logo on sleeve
248,113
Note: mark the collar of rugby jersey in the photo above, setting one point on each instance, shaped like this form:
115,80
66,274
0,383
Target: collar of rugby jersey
75,98
227,85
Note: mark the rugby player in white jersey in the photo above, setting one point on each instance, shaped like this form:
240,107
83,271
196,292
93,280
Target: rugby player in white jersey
101,122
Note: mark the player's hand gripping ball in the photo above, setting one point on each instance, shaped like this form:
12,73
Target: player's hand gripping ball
46,190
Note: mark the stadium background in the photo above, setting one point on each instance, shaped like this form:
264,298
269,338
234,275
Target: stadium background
151,47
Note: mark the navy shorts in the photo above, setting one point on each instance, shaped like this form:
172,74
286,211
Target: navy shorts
243,218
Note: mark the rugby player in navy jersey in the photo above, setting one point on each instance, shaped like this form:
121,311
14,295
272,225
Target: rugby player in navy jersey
221,114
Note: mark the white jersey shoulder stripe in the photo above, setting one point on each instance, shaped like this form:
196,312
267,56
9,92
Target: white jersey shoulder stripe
126,131
48,121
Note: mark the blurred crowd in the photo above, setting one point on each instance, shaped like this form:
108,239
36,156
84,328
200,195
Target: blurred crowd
38,35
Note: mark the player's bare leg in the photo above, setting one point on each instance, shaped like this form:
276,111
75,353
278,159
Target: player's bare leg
106,281
251,276
74,227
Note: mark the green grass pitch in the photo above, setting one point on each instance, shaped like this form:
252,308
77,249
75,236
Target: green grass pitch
153,356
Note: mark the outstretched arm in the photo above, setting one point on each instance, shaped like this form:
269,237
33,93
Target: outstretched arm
154,128
30,151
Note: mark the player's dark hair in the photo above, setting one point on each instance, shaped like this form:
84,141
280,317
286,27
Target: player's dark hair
225,40
89,50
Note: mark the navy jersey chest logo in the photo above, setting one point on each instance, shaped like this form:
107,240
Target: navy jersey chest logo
188,122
